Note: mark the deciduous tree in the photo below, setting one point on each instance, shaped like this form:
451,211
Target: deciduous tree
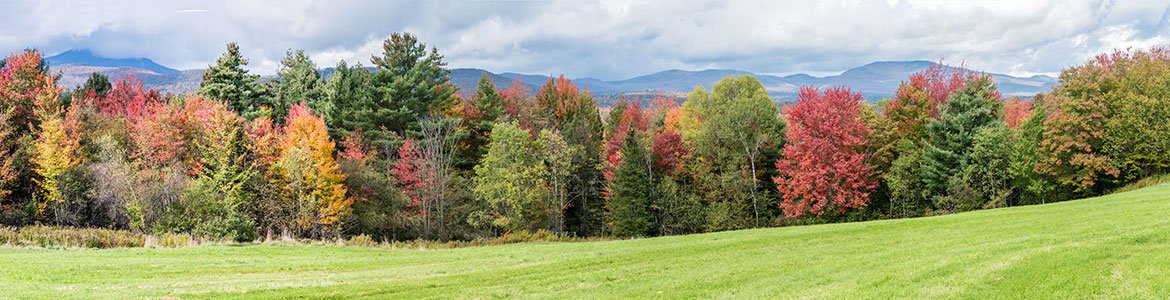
823,166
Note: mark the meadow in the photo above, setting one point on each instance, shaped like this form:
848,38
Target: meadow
1113,246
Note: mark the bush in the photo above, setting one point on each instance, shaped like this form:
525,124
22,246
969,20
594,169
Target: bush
41,236
360,241
202,211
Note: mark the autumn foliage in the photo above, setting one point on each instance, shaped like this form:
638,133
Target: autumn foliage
309,171
822,166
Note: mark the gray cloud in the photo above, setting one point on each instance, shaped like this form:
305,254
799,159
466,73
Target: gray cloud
607,39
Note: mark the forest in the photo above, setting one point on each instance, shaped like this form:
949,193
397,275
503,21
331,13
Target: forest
400,154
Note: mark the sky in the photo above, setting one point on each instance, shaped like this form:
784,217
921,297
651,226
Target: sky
606,39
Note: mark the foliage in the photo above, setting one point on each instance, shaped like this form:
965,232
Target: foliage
228,82
409,85
299,82
976,106
631,191
309,173
480,112
509,181
98,83
346,91
822,164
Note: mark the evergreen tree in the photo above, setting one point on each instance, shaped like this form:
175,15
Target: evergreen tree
98,83
410,83
482,112
632,190
347,91
976,106
228,82
299,82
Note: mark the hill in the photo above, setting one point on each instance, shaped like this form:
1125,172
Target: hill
875,81
84,57
1115,246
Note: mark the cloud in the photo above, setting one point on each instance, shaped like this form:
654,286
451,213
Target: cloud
609,39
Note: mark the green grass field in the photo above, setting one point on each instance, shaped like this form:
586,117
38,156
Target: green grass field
1116,246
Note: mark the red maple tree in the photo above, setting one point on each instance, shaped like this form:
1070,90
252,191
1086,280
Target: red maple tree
823,163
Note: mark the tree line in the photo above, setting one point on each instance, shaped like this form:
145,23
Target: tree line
400,153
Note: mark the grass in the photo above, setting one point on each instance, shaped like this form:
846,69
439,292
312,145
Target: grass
1116,246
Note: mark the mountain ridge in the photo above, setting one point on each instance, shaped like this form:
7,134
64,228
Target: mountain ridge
875,80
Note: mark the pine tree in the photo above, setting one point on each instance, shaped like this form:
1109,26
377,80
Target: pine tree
410,83
481,114
228,82
977,105
98,83
631,191
299,82
347,92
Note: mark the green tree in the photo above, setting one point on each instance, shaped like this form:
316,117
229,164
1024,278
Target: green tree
299,82
739,133
347,91
631,191
410,83
98,83
988,171
509,181
228,82
481,113
976,106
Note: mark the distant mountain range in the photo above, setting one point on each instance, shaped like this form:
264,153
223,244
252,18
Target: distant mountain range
874,81
83,57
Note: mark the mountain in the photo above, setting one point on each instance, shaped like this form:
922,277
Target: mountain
83,57
874,81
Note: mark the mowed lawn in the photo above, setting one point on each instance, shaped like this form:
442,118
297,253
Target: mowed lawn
1116,246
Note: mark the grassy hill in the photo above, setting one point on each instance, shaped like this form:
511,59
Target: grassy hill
1116,246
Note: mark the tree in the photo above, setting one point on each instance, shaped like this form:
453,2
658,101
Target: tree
347,91
737,125
976,106
631,191
299,82
410,84
822,163
223,164
557,157
560,105
509,181
54,152
1015,111
98,83
425,170
227,81
988,172
310,173
480,113
25,84
907,194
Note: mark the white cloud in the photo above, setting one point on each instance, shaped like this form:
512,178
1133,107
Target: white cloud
611,39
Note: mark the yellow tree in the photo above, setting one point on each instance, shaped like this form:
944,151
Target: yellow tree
55,150
310,173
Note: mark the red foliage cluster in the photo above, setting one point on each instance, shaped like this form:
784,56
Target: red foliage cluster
668,151
413,174
823,163
128,98
20,84
1015,111
631,116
